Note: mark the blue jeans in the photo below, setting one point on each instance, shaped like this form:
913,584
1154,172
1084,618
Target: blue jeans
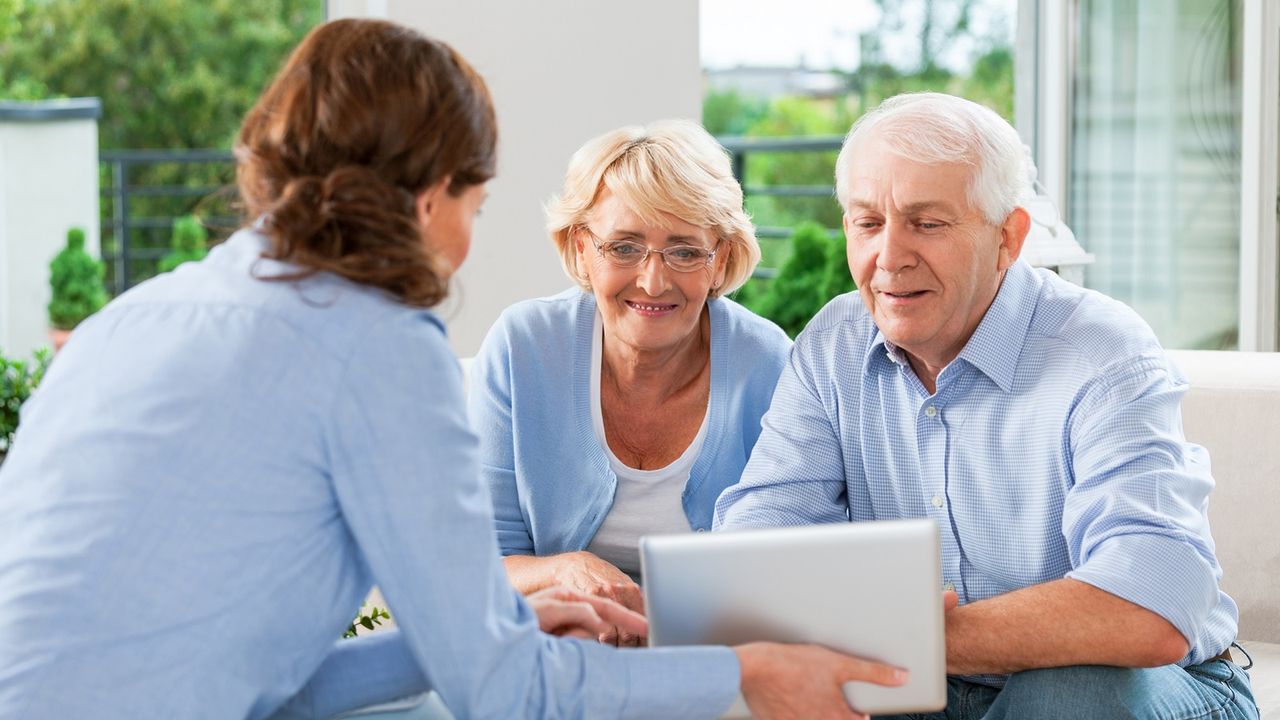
1214,690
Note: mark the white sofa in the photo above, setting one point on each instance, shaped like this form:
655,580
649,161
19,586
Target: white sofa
1233,410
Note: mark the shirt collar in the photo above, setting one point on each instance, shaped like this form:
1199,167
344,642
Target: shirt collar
997,343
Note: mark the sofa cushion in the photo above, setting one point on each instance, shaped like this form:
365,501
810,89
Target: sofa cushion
1233,410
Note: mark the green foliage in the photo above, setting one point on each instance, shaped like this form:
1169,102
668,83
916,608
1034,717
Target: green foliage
171,73
375,617
815,272
188,243
76,281
729,112
18,378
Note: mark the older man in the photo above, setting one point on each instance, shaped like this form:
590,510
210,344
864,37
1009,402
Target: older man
1037,422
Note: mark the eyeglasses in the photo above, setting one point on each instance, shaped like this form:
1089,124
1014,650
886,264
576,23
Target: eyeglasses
628,254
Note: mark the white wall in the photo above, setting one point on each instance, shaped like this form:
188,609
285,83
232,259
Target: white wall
48,183
561,72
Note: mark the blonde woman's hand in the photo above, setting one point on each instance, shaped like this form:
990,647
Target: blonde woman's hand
587,573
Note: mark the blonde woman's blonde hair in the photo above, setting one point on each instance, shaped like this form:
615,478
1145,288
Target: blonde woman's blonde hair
670,166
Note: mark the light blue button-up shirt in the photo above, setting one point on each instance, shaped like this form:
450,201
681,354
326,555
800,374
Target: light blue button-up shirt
1052,448
213,474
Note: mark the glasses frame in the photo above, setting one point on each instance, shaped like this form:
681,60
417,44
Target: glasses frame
666,260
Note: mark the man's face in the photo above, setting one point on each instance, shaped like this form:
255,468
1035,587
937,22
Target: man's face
927,263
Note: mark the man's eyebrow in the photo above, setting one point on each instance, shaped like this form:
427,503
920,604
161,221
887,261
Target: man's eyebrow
927,206
909,209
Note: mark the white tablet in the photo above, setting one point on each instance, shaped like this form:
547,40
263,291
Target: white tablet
870,589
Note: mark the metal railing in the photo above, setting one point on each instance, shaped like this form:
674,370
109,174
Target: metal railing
741,148
137,211
129,233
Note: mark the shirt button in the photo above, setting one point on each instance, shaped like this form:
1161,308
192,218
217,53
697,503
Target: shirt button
949,586
701,530
931,411
937,501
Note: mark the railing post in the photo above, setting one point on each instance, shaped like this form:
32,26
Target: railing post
740,168
120,224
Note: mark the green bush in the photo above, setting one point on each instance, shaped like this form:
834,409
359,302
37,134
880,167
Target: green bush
814,273
18,378
76,280
187,244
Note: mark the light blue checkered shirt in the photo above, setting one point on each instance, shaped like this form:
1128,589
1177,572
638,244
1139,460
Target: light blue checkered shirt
1053,448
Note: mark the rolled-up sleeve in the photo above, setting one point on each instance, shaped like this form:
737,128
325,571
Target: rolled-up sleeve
1134,518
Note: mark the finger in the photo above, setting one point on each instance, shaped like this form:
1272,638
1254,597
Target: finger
950,600
873,672
609,637
577,632
627,621
629,595
629,640
560,616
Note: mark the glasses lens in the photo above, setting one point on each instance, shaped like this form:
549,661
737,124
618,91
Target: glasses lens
686,257
683,258
624,253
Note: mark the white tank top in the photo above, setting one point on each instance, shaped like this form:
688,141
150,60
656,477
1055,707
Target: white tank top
646,502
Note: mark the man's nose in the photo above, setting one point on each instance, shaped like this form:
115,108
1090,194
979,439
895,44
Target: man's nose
897,250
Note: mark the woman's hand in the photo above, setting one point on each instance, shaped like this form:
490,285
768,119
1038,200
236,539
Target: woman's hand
567,612
790,681
586,573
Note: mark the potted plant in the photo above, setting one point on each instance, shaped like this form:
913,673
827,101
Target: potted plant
18,378
188,243
78,292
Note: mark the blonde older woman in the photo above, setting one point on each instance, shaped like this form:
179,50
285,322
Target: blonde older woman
625,406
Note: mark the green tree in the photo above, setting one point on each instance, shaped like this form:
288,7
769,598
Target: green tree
791,116
76,281
729,112
171,73
189,243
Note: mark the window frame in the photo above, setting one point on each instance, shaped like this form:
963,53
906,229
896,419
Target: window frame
1047,37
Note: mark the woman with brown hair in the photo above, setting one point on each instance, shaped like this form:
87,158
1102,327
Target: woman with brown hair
224,460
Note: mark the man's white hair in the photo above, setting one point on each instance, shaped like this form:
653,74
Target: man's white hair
938,128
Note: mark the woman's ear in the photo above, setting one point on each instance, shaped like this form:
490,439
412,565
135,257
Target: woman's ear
424,204
721,266
580,250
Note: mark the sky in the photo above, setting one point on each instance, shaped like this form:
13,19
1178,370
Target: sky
822,33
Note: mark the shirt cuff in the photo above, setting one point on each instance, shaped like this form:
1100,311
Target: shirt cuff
693,682
1167,576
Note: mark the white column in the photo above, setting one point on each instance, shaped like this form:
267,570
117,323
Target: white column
48,184
561,72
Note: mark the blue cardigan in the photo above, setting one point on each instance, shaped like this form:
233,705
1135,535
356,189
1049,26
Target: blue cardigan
530,403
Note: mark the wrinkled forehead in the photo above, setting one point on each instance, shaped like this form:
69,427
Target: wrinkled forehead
883,176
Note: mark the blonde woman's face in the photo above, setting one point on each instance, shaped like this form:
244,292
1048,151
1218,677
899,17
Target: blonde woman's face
649,307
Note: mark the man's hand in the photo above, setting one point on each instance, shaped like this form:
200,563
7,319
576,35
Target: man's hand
568,612
804,681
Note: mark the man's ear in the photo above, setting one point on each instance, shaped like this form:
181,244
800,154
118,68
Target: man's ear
424,204
1013,234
